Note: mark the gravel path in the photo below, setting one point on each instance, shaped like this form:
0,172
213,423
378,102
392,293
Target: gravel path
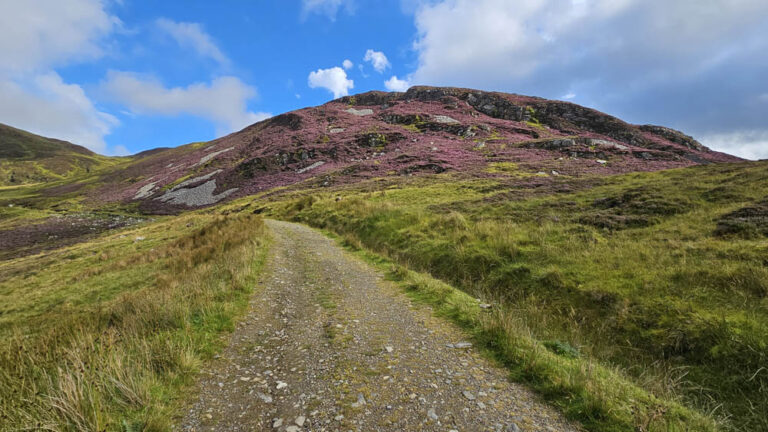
328,345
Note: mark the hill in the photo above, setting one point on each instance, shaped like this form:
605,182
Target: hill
422,131
28,158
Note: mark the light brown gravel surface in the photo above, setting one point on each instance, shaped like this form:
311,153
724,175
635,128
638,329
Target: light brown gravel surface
328,345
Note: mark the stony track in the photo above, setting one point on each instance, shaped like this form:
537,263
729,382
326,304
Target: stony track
328,345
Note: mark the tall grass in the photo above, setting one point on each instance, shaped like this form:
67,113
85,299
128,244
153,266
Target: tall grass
644,286
120,365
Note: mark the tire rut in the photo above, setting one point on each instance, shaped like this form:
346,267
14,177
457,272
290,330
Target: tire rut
329,345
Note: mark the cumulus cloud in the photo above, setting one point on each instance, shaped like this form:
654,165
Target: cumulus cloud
222,101
347,64
749,144
333,79
39,34
676,63
192,36
35,37
329,8
377,59
397,85
48,106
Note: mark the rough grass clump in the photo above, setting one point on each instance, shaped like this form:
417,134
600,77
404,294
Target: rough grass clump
137,331
746,222
635,208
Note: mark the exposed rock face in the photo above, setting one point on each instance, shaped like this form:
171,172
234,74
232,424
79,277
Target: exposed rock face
674,136
360,112
195,197
425,130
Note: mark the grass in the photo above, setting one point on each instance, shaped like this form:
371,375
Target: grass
104,335
26,158
554,368
627,271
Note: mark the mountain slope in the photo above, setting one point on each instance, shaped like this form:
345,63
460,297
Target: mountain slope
29,158
422,131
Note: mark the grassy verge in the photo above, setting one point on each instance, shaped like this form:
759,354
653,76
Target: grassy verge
627,272
601,398
103,335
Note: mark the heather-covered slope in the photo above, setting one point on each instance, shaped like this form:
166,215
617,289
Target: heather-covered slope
29,158
376,134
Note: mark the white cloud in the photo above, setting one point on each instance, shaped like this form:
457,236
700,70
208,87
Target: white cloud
35,37
648,61
192,36
329,8
503,41
333,79
46,105
397,85
751,144
222,101
39,34
569,96
377,59
347,64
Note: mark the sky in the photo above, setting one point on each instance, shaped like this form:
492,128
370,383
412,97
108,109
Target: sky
123,76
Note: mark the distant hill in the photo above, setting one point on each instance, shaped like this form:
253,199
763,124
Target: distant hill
28,158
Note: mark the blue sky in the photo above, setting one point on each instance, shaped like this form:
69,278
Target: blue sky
122,76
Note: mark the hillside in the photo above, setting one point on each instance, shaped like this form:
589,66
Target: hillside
28,158
618,270
423,131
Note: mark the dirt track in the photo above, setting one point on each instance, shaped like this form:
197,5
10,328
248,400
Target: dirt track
329,345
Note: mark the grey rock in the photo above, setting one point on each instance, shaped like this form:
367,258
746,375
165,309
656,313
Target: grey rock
195,180
277,423
445,119
432,414
210,156
310,167
361,112
360,401
468,395
197,196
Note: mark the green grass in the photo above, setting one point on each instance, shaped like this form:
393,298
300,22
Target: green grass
105,335
626,270
601,398
26,158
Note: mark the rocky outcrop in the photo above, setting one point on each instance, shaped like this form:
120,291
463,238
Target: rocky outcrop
377,140
371,98
674,136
